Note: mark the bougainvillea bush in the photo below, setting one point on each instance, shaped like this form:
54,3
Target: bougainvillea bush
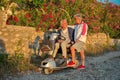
46,14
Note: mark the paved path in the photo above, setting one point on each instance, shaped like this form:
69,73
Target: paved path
104,57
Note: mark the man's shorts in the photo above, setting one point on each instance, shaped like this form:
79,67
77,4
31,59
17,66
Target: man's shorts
79,46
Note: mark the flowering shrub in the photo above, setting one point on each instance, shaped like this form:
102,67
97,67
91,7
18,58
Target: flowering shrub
44,15
15,19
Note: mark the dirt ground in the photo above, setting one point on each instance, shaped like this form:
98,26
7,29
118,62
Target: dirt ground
105,67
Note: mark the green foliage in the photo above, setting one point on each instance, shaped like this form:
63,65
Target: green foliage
113,33
14,63
3,58
46,14
18,62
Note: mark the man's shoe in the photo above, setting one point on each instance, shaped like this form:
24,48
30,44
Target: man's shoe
81,67
71,64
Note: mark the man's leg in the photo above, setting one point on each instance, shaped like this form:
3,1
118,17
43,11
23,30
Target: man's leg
64,49
55,50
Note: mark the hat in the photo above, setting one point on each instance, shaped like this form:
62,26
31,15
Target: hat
78,15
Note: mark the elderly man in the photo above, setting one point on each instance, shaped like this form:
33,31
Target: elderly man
80,34
67,33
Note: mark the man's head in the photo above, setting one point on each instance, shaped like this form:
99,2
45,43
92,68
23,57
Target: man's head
63,24
78,18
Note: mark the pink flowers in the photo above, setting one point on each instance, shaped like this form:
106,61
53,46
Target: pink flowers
47,21
12,18
27,15
51,26
15,18
53,20
44,17
44,7
67,1
73,1
50,15
117,27
95,29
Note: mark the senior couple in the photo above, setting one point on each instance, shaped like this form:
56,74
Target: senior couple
76,35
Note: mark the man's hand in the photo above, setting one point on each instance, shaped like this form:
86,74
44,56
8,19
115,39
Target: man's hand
59,41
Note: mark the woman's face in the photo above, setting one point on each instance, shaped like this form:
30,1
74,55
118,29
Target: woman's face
77,20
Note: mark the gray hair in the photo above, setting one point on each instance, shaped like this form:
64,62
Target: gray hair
78,15
63,20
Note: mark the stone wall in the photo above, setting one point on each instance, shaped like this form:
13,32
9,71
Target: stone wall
101,42
3,18
16,38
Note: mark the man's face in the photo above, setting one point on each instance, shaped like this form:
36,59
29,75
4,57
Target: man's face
63,25
77,20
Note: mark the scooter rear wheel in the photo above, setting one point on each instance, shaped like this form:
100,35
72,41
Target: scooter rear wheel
48,71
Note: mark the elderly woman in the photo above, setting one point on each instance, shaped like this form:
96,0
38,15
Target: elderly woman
80,35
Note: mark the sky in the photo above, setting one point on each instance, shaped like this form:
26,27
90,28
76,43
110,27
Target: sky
113,1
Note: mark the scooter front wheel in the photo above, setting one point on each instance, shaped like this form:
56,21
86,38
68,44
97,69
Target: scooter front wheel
48,71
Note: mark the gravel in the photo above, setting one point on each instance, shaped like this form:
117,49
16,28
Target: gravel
102,70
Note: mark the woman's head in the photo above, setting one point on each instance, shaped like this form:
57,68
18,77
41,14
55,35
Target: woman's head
78,18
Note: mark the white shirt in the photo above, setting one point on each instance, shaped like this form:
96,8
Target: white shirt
80,32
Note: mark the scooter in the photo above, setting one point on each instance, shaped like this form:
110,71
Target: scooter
49,65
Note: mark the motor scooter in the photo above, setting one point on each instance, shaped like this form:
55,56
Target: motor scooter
49,65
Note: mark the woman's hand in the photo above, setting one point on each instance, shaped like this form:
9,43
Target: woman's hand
72,42
77,40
